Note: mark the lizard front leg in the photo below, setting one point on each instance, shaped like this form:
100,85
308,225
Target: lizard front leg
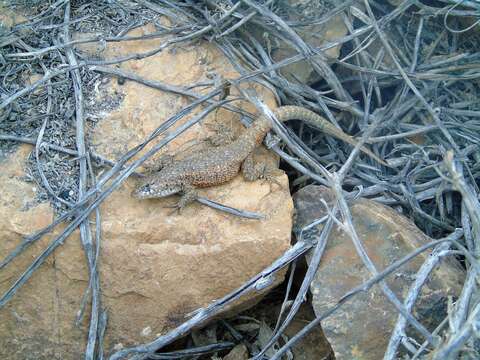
223,135
158,164
188,195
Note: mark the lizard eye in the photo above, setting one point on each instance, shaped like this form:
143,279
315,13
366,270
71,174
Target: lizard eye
146,188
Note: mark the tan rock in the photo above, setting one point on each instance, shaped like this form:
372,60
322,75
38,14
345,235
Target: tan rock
361,328
155,268
31,315
10,18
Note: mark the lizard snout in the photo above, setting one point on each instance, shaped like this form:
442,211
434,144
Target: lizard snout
148,191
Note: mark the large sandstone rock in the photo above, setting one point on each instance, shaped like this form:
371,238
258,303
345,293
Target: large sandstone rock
361,328
155,268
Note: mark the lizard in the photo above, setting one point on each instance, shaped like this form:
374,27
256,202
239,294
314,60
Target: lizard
218,165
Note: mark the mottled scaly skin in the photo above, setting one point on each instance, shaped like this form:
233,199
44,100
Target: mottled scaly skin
220,164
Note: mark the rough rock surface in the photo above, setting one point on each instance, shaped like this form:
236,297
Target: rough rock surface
155,268
361,328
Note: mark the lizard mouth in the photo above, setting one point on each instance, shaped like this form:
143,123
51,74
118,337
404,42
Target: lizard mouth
148,192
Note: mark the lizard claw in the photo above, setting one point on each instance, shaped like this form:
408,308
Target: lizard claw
269,176
189,195
177,208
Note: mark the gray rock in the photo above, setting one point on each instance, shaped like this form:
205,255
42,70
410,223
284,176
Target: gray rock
362,327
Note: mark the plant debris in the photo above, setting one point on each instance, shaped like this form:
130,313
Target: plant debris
406,84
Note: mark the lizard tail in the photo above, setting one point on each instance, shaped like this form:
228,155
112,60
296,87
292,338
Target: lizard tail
285,113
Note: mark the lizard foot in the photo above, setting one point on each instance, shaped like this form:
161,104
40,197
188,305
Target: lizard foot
159,164
189,195
223,135
269,176
253,171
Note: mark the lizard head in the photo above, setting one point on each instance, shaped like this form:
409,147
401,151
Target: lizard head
155,189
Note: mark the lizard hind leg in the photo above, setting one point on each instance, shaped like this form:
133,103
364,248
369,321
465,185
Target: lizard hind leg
252,171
